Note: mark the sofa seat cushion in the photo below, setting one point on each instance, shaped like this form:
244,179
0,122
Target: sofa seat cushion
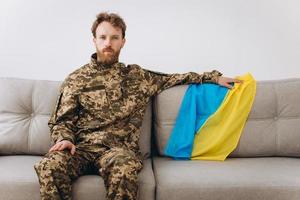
18,181
274,178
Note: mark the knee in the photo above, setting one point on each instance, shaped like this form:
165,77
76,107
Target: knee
125,171
52,163
46,165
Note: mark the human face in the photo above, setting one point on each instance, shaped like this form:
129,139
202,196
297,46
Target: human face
108,43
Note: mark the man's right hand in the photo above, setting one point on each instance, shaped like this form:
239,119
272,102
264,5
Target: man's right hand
64,144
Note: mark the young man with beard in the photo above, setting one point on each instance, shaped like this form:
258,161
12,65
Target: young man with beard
98,115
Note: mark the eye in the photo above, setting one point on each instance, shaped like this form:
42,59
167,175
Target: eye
102,37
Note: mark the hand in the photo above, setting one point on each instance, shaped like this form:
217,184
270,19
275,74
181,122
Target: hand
224,81
64,144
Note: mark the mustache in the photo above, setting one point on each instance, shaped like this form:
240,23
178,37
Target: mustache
108,49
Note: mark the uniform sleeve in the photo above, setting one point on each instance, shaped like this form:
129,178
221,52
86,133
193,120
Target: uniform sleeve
63,120
161,81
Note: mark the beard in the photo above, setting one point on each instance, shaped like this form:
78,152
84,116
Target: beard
108,56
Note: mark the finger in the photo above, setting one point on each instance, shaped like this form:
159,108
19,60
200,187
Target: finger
62,147
237,81
50,150
53,148
228,86
230,80
57,146
73,149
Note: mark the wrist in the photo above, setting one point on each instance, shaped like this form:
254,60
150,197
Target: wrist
216,76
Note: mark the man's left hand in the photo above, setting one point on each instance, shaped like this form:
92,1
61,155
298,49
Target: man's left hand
224,81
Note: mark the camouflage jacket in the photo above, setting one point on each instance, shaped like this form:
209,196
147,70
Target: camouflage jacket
105,105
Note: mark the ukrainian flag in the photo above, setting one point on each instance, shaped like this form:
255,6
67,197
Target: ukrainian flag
210,120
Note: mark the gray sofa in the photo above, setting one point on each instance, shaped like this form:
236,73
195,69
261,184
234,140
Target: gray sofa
265,164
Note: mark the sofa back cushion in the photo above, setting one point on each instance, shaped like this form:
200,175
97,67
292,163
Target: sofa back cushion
272,128
25,108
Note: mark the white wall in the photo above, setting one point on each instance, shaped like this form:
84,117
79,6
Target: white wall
48,39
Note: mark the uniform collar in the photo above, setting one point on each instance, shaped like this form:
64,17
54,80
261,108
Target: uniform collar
100,66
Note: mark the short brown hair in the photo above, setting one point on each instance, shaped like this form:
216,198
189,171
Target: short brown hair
112,18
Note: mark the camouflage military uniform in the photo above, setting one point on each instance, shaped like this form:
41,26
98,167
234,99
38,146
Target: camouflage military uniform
100,109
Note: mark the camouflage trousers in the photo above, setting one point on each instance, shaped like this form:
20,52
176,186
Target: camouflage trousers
118,167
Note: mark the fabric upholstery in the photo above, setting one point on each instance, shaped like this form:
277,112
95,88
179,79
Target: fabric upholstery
270,178
25,108
272,128
22,184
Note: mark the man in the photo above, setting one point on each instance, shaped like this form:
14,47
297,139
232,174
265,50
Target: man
97,119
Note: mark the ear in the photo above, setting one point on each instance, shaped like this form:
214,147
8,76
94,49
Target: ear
94,41
123,42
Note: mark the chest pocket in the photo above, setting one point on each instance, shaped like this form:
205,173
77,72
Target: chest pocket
93,98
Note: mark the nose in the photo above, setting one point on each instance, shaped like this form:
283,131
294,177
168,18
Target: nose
107,42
